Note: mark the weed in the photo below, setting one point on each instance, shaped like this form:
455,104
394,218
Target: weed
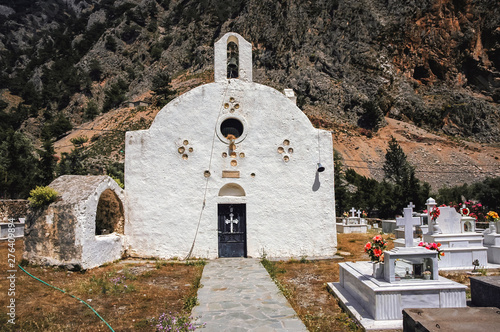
143,323
190,302
303,260
348,322
482,270
287,292
108,283
175,322
271,268
199,262
159,264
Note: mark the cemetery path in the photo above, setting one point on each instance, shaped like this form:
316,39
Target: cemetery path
239,295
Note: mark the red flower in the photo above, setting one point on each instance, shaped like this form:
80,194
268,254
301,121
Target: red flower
377,238
377,252
368,246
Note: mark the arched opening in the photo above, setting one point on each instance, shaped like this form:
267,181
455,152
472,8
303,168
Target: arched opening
109,216
231,189
233,61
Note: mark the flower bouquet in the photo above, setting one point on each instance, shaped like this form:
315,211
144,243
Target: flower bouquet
435,213
376,249
432,246
492,216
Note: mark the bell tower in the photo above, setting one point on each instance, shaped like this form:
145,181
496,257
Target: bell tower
233,58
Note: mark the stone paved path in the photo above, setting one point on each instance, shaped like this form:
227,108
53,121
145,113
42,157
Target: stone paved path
239,295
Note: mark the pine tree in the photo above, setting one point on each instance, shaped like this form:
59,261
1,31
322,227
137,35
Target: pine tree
47,163
396,167
162,89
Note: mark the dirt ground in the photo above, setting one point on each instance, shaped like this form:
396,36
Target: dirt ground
125,294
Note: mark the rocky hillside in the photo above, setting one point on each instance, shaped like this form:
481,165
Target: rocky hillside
433,64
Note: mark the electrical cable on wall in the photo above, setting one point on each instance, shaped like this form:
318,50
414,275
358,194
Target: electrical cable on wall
209,165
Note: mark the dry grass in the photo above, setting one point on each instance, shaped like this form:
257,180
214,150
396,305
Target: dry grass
304,284
150,290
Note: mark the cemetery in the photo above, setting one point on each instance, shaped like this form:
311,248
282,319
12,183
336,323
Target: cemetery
409,279
353,223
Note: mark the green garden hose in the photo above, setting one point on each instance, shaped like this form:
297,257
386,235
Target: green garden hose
95,312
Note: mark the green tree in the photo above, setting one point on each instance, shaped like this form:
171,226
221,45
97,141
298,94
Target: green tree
110,43
17,165
72,163
46,163
341,193
95,70
396,167
161,89
115,95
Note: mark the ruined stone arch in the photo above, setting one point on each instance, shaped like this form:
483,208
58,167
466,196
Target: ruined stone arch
109,214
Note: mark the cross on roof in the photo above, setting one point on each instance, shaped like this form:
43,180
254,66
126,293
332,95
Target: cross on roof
408,221
353,210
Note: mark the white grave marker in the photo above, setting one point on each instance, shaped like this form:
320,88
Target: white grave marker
408,221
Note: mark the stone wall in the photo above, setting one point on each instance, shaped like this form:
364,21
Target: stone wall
13,208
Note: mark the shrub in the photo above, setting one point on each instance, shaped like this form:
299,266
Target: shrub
42,196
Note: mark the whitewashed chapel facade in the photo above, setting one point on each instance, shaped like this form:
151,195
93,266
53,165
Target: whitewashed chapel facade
230,169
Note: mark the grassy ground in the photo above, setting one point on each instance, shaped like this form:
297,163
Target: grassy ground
126,295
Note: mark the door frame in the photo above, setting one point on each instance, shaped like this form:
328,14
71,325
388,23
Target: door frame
245,240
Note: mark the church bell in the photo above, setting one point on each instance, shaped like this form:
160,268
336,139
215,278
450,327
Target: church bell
232,67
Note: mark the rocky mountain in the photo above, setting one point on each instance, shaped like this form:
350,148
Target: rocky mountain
434,64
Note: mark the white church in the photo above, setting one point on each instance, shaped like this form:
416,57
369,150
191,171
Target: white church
229,169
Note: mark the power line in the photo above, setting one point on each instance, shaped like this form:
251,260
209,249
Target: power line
416,164
92,129
417,171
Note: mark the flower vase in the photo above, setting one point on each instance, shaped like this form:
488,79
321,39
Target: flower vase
493,228
378,270
427,277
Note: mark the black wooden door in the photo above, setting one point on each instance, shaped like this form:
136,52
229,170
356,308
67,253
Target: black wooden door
232,230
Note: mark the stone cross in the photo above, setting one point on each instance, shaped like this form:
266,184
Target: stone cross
231,221
411,205
408,221
353,210
359,213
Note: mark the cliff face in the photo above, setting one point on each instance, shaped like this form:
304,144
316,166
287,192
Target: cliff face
433,63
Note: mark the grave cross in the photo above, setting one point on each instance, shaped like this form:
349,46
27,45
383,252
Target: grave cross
231,221
411,205
359,213
408,221
353,210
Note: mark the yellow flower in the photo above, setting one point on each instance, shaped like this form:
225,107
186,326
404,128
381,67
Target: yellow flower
492,215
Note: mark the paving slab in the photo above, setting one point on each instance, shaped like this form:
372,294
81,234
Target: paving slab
237,294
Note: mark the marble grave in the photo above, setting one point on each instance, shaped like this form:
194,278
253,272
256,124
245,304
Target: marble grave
459,241
410,280
353,223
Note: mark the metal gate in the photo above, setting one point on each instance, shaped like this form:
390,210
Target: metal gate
232,230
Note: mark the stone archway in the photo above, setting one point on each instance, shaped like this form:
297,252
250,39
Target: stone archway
109,215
